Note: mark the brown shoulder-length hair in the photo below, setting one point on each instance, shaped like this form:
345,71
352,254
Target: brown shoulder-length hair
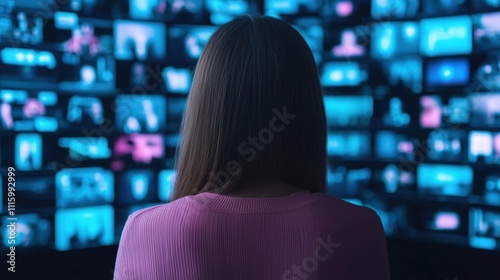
255,112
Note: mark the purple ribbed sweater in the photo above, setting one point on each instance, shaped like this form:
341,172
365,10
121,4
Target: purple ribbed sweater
209,236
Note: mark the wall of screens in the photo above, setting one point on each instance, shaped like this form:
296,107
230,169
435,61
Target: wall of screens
92,94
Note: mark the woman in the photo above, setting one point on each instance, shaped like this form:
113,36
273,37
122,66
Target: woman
249,199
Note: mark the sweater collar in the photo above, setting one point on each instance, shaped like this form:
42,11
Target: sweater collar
223,203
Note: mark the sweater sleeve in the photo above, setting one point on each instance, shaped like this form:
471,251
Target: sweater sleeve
123,256
134,250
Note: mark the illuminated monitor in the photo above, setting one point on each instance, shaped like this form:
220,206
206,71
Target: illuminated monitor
345,10
23,110
87,61
135,114
445,221
137,150
136,186
404,73
446,36
84,186
85,148
442,220
84,111
177,80
29,68
484,228
342,74
222,11
435,112
188,41
444,7
142,41
349,144
394,9
491,190
29,151
485,110
391,145
84,227
394,178
278,8
348,110
484,147
348,42
451,180
21,26
163,10
148,9
347,182
486,31
447,72
392,111
446,145
486,73
393,39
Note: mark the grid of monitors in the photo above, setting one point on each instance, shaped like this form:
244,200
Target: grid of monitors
92,94
412,95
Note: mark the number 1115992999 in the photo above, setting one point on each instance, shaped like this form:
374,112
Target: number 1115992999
11,192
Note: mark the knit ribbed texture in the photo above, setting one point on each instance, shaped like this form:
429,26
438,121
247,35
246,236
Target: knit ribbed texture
210,236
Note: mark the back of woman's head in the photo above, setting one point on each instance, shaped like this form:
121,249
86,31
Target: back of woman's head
254,113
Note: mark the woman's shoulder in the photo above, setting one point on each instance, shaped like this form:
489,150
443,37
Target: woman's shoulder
158,210
335,206
162,219
146,211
